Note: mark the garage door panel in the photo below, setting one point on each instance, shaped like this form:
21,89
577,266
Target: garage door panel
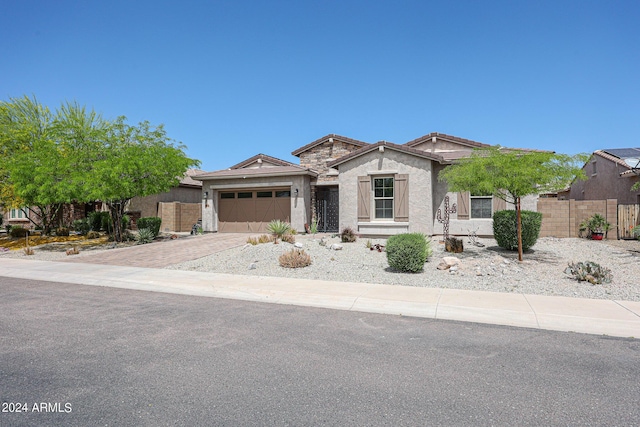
242,215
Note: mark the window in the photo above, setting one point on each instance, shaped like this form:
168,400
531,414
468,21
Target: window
245,195
595,169
227,195
481,206
284,193
18,213
264,194
383,198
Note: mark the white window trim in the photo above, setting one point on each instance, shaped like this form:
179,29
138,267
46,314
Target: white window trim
18,214
374,198
471,209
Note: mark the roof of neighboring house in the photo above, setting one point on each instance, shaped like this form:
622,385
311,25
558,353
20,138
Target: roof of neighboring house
617,155
325,139
388,145
462,141
264,157
188,181
240,170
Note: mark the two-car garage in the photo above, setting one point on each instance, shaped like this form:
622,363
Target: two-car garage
251,210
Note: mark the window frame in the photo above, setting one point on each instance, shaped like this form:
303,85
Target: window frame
480,197
18,214
374,198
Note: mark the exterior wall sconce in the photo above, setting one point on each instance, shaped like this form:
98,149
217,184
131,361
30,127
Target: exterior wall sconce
205,197
296,192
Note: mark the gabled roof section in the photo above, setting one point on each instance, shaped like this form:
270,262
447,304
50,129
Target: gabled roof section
188,181
278,167
442,136
615,158
326,138
262,158
387,145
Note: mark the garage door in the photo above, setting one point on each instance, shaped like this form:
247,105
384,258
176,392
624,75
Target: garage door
250,211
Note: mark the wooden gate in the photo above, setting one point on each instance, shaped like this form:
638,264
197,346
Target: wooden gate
628,217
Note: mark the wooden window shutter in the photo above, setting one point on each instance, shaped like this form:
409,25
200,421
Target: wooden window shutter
499,204
364,198
401,198
463,205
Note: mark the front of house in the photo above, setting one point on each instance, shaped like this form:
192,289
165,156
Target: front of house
377,189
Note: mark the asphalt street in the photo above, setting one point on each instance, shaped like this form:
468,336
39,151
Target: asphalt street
78,355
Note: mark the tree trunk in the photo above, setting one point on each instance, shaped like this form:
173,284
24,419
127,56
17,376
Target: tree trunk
116,209
519,226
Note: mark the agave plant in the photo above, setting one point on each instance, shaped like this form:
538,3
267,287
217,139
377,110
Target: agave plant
278,229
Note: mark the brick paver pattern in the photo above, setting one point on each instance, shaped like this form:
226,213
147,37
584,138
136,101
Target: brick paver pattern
163,254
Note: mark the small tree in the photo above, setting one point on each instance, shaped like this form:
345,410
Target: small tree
512,174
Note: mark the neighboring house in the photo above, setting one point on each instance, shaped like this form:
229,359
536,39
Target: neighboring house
17,216
174,217
608,177
377,189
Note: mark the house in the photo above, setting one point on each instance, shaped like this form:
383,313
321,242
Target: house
608,177
377,189
179,208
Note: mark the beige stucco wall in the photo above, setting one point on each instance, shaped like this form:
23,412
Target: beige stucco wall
390,161
300,204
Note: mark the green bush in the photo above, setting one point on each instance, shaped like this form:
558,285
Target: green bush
150,222
17,232
278,229
82,226
505,229
99,220
408,252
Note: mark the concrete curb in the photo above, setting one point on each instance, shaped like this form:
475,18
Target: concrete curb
607,317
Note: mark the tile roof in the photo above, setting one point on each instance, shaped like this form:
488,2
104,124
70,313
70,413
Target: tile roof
261,156
188,181
615,159
443,136
325,139
256,172
397,147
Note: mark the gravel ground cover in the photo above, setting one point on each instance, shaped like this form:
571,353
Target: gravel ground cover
489,268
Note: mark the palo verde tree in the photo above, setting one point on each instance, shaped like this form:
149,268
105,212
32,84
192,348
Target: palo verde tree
32,169
134,161
512,174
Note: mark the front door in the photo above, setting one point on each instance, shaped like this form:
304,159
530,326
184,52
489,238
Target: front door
327,209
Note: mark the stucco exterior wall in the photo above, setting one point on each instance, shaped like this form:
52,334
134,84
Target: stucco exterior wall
300,203
391,162
605,183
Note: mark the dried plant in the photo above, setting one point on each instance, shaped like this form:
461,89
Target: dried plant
295,258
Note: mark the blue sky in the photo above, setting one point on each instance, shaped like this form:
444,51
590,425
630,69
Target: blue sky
231,79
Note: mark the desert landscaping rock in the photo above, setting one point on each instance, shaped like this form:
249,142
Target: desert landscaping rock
489,268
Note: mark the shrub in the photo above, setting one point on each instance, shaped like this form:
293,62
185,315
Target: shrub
62,232
505,229
82,226
590,272
98,220
348,235
313,228
408,252
295,258
144,235
635,231
28,251
152,223
18,232
73,251
289,238
278,229
93,235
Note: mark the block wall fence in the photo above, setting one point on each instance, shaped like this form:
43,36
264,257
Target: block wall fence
178,216
562,218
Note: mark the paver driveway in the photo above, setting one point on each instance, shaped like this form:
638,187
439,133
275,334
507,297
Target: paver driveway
162,254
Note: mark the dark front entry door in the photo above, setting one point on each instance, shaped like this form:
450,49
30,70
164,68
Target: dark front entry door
327,209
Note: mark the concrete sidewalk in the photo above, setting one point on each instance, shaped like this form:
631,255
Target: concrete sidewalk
614,318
